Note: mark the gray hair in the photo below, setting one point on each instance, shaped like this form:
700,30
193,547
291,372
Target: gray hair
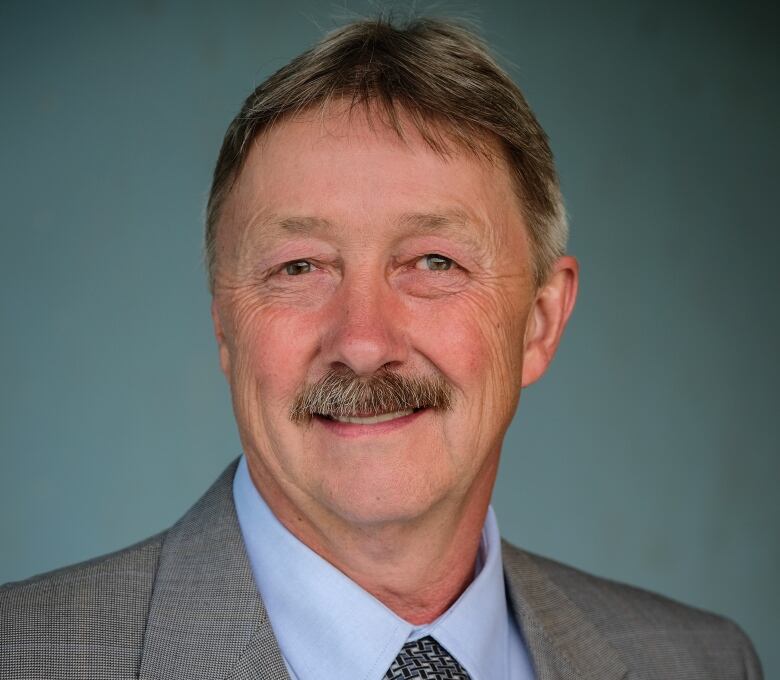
341,392
442,76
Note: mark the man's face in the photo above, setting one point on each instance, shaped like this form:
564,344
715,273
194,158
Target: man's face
344,248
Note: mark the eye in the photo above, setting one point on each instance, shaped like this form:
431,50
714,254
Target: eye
435,262
298,267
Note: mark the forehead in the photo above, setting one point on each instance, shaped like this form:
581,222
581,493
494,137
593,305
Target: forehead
340,168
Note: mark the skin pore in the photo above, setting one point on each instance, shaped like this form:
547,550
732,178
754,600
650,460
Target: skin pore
342,246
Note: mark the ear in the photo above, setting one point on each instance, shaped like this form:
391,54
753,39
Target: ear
551,310
219,334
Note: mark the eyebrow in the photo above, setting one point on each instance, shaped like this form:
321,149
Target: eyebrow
453,222
303,225
269,225
452,219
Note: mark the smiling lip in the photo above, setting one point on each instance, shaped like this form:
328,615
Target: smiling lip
372,420
355,426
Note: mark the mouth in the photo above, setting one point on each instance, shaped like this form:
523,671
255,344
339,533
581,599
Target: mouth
369,419
363,424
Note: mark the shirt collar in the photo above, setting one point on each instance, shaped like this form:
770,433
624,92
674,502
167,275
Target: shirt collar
475,630
328,626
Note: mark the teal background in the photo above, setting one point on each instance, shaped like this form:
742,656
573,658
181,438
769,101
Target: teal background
648,454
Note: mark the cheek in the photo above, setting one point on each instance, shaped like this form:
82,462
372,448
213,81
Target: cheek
477,342
271,346
474,336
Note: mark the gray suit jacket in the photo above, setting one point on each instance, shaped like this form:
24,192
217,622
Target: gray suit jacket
183,605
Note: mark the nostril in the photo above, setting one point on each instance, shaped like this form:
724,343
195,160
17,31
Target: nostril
366,355
366,331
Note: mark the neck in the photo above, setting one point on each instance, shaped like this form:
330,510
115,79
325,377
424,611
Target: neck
417,574
417,569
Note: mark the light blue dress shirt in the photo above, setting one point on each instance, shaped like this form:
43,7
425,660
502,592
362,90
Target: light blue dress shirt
327,626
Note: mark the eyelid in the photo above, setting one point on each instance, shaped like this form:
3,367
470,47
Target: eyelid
421,258
280,268
305,263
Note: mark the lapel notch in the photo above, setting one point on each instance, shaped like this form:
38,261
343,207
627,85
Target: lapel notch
206,618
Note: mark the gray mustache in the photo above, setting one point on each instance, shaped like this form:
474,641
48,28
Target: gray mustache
341,392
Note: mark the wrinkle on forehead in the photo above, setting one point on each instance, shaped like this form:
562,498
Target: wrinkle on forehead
265,229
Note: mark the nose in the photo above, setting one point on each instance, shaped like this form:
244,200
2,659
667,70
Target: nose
366,328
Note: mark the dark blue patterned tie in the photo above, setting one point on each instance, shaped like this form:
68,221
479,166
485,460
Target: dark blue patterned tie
425,659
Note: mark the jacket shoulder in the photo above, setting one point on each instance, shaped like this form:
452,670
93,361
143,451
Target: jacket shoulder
79,620
656,636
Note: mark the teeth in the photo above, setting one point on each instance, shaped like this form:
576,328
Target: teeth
372,420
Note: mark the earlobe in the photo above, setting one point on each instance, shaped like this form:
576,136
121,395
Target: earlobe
219,334
547,319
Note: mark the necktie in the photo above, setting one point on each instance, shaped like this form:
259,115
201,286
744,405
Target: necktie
425,659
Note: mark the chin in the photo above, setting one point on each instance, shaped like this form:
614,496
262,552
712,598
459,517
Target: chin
382,500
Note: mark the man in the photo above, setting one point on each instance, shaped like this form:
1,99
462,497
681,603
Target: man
385,243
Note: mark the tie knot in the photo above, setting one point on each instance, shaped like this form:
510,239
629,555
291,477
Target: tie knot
425,659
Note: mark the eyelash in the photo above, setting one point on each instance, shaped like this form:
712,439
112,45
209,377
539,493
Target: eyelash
448,261
287,265
450,264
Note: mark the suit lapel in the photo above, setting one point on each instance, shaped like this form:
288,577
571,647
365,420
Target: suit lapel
206,618
563,644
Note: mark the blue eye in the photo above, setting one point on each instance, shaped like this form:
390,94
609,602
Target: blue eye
435,262
296,268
